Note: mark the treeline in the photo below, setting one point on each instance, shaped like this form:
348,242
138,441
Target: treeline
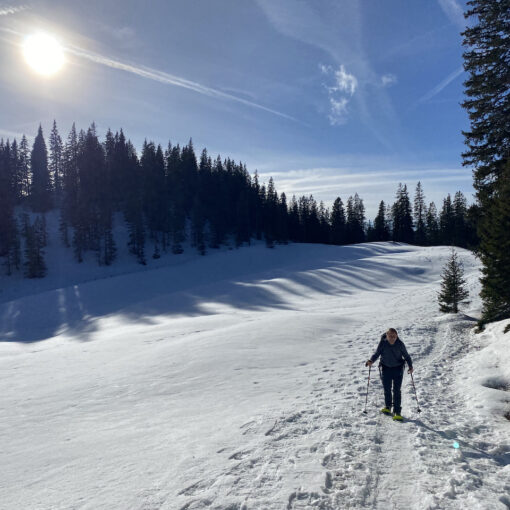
169,197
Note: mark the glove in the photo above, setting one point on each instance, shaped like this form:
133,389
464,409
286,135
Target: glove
369,363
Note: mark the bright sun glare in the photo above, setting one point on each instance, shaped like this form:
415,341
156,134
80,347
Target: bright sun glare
43,54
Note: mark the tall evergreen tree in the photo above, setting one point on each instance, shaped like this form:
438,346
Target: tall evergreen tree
41,182
495,254
270,213
23,177
487,60
283,220
55,165
402,216
338,233
432,225
420,212
359,224
381,230
447,221
294,225
459,206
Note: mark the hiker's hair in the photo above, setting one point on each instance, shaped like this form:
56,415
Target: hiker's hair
392,330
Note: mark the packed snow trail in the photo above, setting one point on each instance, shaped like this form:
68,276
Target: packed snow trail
245,389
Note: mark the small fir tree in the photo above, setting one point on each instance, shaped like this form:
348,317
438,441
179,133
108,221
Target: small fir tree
453,289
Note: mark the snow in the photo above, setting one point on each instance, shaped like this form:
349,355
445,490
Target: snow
237,381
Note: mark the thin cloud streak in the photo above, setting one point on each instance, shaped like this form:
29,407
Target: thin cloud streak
161,77
325,179
453,11
327,183
438,88
347,173
169,79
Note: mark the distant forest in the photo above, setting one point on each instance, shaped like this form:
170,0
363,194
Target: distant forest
169,197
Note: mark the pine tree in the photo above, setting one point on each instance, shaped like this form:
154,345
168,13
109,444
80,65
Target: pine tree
294,225
359,215
389,219
176,199
15,164
459,219
283,220
23,177
41,182
338,233
432,225
69,186
402,217
55,165
453,291
35,266
487,60
350,222
380,229
270,212
447,222
419,216
495,254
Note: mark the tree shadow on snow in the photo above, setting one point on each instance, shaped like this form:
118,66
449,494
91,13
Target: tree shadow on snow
467,449
251,279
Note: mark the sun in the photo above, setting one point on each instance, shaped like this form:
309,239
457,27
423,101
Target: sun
43,54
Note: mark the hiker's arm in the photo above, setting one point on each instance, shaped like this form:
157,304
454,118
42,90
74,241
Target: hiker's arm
407,357
376,354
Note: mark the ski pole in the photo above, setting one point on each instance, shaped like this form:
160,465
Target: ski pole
368,384
414,388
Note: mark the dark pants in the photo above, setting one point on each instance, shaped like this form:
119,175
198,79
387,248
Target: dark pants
392,375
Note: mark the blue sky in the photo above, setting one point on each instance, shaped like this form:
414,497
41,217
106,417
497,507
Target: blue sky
329,97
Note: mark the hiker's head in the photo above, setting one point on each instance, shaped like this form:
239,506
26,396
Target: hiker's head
391,334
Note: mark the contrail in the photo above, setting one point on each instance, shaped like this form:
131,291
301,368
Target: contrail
160,76
169,79
438,88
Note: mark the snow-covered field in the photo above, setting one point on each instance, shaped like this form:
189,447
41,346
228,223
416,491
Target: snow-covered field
237,381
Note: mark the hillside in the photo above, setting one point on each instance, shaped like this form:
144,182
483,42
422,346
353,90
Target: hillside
237,381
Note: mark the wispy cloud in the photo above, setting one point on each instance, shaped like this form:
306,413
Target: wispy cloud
345,82
124,36
440,86
343,88
388,79
6,10
337,29
453,11
338,111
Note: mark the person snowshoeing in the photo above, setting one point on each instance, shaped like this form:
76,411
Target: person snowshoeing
393,354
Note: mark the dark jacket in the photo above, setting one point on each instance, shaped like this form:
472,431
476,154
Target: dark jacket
392,355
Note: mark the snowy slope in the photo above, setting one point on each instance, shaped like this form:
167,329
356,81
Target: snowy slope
237,381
